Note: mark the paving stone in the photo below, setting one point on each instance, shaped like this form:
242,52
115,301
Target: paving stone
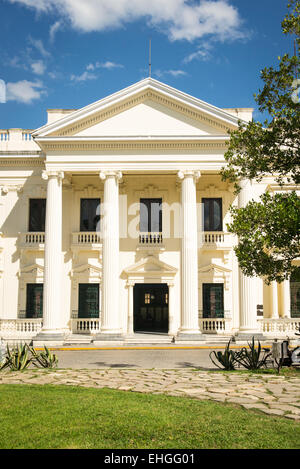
251,392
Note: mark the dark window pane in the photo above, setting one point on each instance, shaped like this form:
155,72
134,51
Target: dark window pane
213,300
34,300
151,215
37,214
212,214
88,301
90,215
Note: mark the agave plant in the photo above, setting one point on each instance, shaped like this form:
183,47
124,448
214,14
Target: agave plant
226,359
252,358
17,359
45,359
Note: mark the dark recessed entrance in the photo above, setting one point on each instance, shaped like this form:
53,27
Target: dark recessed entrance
151,309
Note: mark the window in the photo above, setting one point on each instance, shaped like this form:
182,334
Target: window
150,215
37,214
90,215
88,301
212,214
213,300
34,300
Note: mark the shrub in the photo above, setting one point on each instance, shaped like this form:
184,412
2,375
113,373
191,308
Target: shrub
254,358
226,359
21,356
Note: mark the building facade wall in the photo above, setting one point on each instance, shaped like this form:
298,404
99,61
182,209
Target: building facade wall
180,158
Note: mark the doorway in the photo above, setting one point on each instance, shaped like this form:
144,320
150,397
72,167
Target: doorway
151,307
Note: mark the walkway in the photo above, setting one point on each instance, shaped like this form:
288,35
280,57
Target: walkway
271,394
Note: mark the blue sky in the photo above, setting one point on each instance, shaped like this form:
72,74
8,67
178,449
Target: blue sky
70,53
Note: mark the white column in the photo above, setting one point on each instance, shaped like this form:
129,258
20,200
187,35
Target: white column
275,314
248,290
52,312
110,316
286,299
189,254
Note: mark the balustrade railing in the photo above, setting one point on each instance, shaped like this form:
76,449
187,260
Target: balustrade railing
86,237
215,239
153,238
283,326
32,238
85,325
20,328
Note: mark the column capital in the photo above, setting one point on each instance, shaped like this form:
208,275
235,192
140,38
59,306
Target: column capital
52,174
192,174
110,174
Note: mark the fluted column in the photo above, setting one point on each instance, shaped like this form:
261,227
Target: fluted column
110,316
52,309
286,299
275,313
189,255
248,285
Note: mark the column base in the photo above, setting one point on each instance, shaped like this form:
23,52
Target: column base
48,338
247,335
108,337
189,337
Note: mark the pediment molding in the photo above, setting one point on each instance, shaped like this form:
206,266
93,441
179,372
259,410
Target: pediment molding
146,90
87,269
150,266
147,145
215,273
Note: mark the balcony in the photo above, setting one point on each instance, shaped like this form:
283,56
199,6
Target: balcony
215,240
151,240
86,241
32,241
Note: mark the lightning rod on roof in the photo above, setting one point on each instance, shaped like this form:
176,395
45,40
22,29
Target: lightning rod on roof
149,58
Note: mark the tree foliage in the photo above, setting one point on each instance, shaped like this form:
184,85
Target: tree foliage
268,230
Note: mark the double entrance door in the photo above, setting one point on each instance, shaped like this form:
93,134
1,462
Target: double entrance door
151,307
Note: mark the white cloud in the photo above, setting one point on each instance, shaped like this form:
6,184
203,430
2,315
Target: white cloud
178,19
108,65
24,91
202,53
38,67
53,30
83,77
38,44
173,73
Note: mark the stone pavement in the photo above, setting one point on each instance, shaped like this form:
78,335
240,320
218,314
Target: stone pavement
272,394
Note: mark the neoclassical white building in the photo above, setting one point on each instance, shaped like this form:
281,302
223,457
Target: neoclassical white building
113,225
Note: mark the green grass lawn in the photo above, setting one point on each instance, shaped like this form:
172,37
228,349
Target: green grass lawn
47,416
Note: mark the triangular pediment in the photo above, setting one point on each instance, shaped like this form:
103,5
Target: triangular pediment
86,268
148,108
214,268
150,265
32,269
